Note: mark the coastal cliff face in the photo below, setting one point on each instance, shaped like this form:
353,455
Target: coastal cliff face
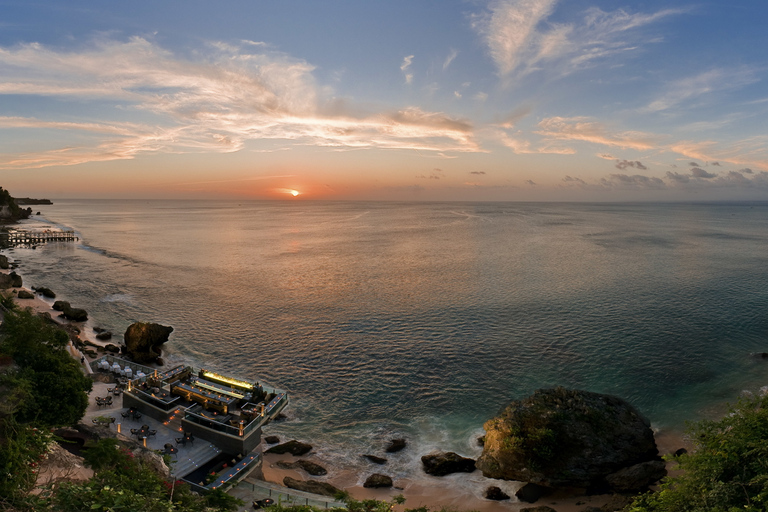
566,438
143,341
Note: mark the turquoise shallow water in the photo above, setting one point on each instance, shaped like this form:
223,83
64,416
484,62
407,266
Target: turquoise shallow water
423,319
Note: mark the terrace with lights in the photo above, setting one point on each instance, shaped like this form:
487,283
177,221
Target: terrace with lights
179,407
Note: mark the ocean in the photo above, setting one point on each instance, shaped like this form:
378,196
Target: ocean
423,320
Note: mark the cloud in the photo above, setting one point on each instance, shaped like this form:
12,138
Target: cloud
436,174
583,129
477,172
635,181
521,40
229,96
404,68
570,179
705,83
451,56
698,172
530,182
623,164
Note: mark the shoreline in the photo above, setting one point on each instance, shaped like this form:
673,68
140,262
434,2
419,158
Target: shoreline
460,491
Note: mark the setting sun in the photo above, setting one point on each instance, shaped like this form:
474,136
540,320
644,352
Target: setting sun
294,193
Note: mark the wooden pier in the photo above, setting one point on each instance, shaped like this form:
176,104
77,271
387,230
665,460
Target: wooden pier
37,237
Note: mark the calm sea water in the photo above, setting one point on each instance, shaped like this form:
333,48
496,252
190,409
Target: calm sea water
422,320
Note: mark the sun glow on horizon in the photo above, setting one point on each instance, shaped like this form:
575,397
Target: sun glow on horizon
294,193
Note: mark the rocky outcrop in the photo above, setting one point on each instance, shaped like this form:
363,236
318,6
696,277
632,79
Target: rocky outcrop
313,486
12,280
143,341
271,439
530,493
395,445
441,464
24,294
4,262
294,447
45,292
566,438
495,494
104,336
638,477
375,459
70,313
308,466
542,508
378,481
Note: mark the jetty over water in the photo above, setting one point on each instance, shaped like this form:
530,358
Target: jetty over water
22,237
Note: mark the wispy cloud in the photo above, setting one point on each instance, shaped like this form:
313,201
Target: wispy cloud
407,61
451,56
586,130
521,40
230,96
705,83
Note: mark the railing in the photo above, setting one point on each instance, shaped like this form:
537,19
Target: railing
228,475
135,367
191,415
153,400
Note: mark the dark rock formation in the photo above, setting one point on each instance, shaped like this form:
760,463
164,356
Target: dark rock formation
638,477
24,294
310,467
759,355
45,292
143,341
542,508
395,445
679,452
375,459
4,262
70,313
530,493
112,348
312,486
293,447
271,439
495,493
566,438
481,441
104,336
12,280
378,481
441,464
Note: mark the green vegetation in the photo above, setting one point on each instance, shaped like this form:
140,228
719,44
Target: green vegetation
727,471
15,210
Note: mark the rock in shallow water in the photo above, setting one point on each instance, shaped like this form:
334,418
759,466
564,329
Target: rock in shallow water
495,493
293,447
375,459
308,466
143,341
441,464
395,445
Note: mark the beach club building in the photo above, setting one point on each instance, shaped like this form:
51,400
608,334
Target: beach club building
226,413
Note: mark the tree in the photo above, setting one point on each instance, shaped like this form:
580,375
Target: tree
727,471
54,387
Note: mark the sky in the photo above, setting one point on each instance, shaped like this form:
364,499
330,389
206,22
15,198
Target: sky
498,100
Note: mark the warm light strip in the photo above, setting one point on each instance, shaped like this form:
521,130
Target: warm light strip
218,390
222,378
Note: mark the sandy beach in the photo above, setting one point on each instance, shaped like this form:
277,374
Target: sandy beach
458,491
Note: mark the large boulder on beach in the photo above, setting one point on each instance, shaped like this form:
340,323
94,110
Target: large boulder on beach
378,481
45,292
313,486
310,467
24,294
294,447
143,341
4,262
441,464
566,438
12,280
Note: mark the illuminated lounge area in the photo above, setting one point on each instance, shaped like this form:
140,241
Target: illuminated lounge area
222,410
